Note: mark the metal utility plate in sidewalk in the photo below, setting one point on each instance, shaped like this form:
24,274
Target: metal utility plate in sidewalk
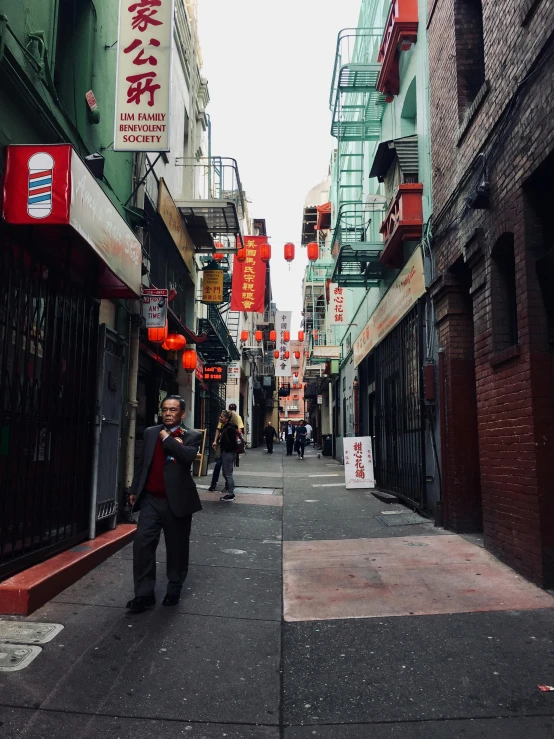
15,657
23,632
254,491
402,519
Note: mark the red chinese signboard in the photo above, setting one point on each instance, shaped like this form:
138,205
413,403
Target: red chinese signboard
143,75
215,373
248,286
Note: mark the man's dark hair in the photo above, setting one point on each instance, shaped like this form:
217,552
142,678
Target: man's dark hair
176,397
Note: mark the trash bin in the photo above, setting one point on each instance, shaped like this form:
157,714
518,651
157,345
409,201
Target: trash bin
327,449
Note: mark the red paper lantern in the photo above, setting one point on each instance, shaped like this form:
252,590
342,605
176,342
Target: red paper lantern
189,360
244,335
313,251
286,335
175,342
300,386
218,257
241,255
286,355
316,334
265,252
297,354
165,347
158,335
294,386
301,336
296,374
276,354
273,335
258,335
307,354
289,252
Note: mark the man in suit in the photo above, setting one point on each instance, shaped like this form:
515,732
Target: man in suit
289,438
164,492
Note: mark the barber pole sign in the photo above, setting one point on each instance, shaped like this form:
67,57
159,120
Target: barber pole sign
143,84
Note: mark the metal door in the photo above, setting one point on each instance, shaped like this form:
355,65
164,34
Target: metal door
110,385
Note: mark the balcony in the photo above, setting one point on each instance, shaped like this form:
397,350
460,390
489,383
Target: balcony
403,222
400,34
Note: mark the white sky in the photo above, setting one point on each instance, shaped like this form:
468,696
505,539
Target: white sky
269,68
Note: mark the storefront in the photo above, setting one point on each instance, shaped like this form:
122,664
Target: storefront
63,247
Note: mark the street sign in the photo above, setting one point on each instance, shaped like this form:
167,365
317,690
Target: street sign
154,307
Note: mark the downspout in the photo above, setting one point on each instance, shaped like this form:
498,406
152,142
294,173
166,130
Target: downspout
443,439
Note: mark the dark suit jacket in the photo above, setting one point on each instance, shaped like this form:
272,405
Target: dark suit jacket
180,489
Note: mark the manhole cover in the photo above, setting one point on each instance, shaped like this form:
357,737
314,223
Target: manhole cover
403,519
25,632
15,657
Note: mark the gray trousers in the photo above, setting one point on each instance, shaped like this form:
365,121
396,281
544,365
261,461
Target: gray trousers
156,515
227,462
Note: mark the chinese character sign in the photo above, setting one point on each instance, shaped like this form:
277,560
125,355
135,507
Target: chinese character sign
282,324
358,462
337,305
248,286
154,307
215,373
212,286
143,75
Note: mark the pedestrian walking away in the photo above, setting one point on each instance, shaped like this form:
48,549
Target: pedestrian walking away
228,443
289,438
300,439
270,434
217,466
165,494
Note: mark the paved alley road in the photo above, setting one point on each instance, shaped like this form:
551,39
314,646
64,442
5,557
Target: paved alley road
309,611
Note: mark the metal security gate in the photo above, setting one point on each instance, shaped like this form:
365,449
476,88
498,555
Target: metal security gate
399,433
48,346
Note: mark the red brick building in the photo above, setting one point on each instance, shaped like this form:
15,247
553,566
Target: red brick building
492,124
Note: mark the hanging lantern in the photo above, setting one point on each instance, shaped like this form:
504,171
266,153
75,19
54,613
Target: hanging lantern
313,251
294,386
218,257
189,360
286,355
244,335
265,252
307,354
300,386
157,335
258,335
301,336
165,347
276,354
289,252
297,355
175,342
241,255
273,335
316,335
286,335
296,374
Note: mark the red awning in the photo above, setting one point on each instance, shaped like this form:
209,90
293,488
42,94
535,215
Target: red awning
323,217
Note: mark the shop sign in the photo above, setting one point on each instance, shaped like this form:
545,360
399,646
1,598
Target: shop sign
50,185
171,216
358,462
233,371
215,373
143,82
154,307
404,292
283,321
248,285
326,352
212,286
320,399
199,371
337,305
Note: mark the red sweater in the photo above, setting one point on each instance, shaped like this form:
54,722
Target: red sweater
155,483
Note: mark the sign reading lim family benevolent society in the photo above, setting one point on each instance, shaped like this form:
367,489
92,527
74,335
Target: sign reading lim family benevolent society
143,75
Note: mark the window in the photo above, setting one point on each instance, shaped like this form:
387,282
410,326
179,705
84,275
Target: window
504,301
470,52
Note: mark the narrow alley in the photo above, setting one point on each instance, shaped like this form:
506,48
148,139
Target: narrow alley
309,611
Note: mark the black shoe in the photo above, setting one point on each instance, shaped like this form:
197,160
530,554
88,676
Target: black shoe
141,603
171,599
228,497
212,488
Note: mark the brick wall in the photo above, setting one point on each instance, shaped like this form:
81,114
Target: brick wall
514,388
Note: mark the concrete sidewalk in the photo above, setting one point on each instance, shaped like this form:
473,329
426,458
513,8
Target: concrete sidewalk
383,627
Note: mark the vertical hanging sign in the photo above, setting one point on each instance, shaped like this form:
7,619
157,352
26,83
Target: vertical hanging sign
282,324
248,286
337,305
143,83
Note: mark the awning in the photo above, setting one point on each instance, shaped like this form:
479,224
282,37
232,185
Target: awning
404,149
206,218
323,217
51,189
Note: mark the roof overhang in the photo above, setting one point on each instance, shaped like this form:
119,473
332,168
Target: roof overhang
404,149
206,218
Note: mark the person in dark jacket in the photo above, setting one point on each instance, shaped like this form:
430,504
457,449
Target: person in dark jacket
289,438
301,439
228,444
270,434
164,492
